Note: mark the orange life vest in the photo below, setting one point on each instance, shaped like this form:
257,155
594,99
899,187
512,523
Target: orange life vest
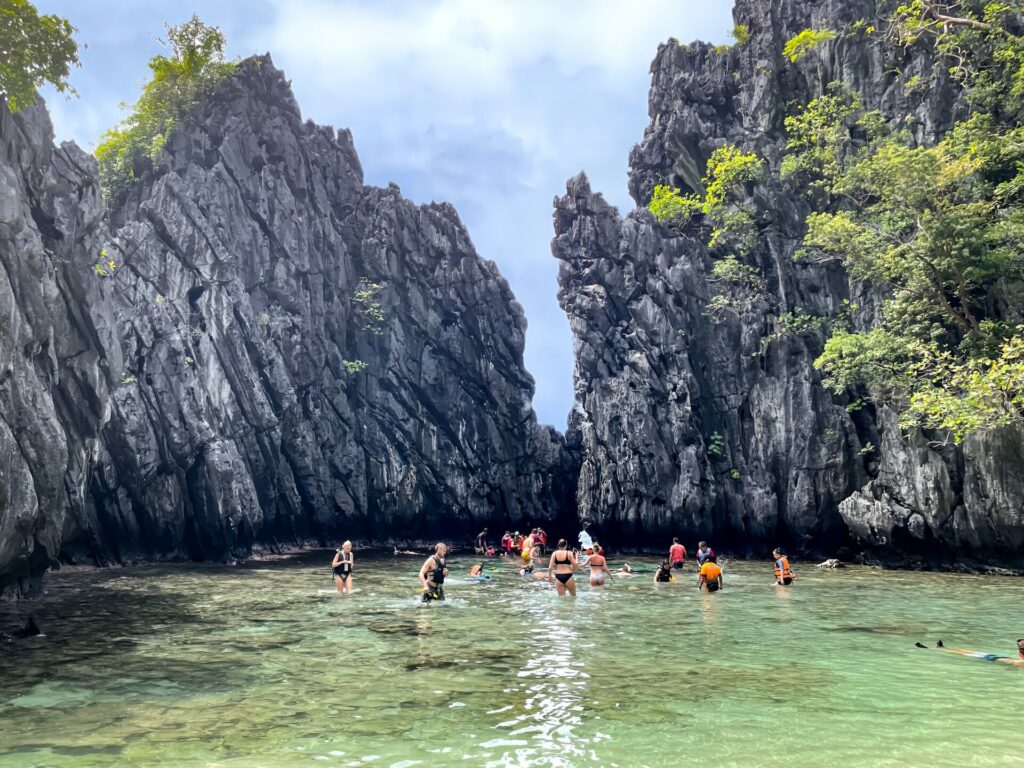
784,572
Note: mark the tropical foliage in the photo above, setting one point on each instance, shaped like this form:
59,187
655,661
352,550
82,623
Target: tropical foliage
937,230
34,50
179,83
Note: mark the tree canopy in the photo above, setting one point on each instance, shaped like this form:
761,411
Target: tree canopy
34,50
179,82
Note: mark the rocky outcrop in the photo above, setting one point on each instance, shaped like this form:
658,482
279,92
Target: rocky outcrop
59,355
304,357
722,429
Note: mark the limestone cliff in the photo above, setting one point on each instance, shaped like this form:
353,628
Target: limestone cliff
304,357
698,428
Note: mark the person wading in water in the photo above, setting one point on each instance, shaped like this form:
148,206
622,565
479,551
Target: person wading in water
598,567
432,574
560,569
342,567
783,573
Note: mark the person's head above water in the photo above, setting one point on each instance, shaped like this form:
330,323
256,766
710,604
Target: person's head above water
1020,647
666,565
776,552
675,539
702,545
476,569
346,545
441,549
562,543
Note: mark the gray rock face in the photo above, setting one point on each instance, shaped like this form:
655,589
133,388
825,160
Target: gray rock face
304,357
695,428
59,354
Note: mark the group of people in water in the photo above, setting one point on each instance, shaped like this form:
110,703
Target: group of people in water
562,564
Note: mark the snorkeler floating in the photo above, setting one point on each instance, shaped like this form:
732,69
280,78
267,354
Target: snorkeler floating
1017,661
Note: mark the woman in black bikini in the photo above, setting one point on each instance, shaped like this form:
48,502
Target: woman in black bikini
342,567
560,568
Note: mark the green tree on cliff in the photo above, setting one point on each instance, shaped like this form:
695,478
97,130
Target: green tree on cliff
34,50
179,83
939,230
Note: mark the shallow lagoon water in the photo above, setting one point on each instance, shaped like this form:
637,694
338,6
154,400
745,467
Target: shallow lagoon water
265,665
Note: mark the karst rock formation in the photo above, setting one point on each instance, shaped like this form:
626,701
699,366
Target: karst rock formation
250,348
697,428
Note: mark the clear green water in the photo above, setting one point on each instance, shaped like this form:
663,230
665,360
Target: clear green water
265,666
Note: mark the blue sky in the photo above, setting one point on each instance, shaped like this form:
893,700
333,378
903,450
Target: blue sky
488,104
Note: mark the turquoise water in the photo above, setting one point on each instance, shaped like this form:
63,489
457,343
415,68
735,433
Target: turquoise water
267,666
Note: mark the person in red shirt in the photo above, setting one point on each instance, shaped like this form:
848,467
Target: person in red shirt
677,554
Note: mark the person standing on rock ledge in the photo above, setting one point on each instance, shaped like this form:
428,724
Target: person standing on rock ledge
481,542
432,574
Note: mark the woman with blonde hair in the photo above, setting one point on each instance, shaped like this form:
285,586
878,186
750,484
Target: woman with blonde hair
342,567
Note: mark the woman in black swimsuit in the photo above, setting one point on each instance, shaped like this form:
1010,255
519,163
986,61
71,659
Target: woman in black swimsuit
342,567
560,569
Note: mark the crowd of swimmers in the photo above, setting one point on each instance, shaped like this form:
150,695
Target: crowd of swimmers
562,564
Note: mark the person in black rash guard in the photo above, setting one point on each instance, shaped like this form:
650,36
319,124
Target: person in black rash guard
432,574
342,567
560,569
481,542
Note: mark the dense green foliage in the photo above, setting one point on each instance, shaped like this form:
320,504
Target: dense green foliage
179,83
728,170
938,229
34,50
806,41
741,34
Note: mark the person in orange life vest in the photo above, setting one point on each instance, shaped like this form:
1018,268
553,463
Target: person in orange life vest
710,577
783,573
677,554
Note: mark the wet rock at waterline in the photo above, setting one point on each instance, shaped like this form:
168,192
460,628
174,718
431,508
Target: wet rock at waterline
699,428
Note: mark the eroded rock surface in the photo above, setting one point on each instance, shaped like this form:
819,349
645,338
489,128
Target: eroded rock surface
304,357
696,428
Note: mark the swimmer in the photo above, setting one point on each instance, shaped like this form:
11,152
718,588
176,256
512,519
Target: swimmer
342,567
677,554
560,569
710,576
664,573
476,571
433,584
783,574
406,552
527,550
1017,662
625,570
705,553
598,567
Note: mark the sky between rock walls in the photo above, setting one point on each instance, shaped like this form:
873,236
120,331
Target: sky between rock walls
488,104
